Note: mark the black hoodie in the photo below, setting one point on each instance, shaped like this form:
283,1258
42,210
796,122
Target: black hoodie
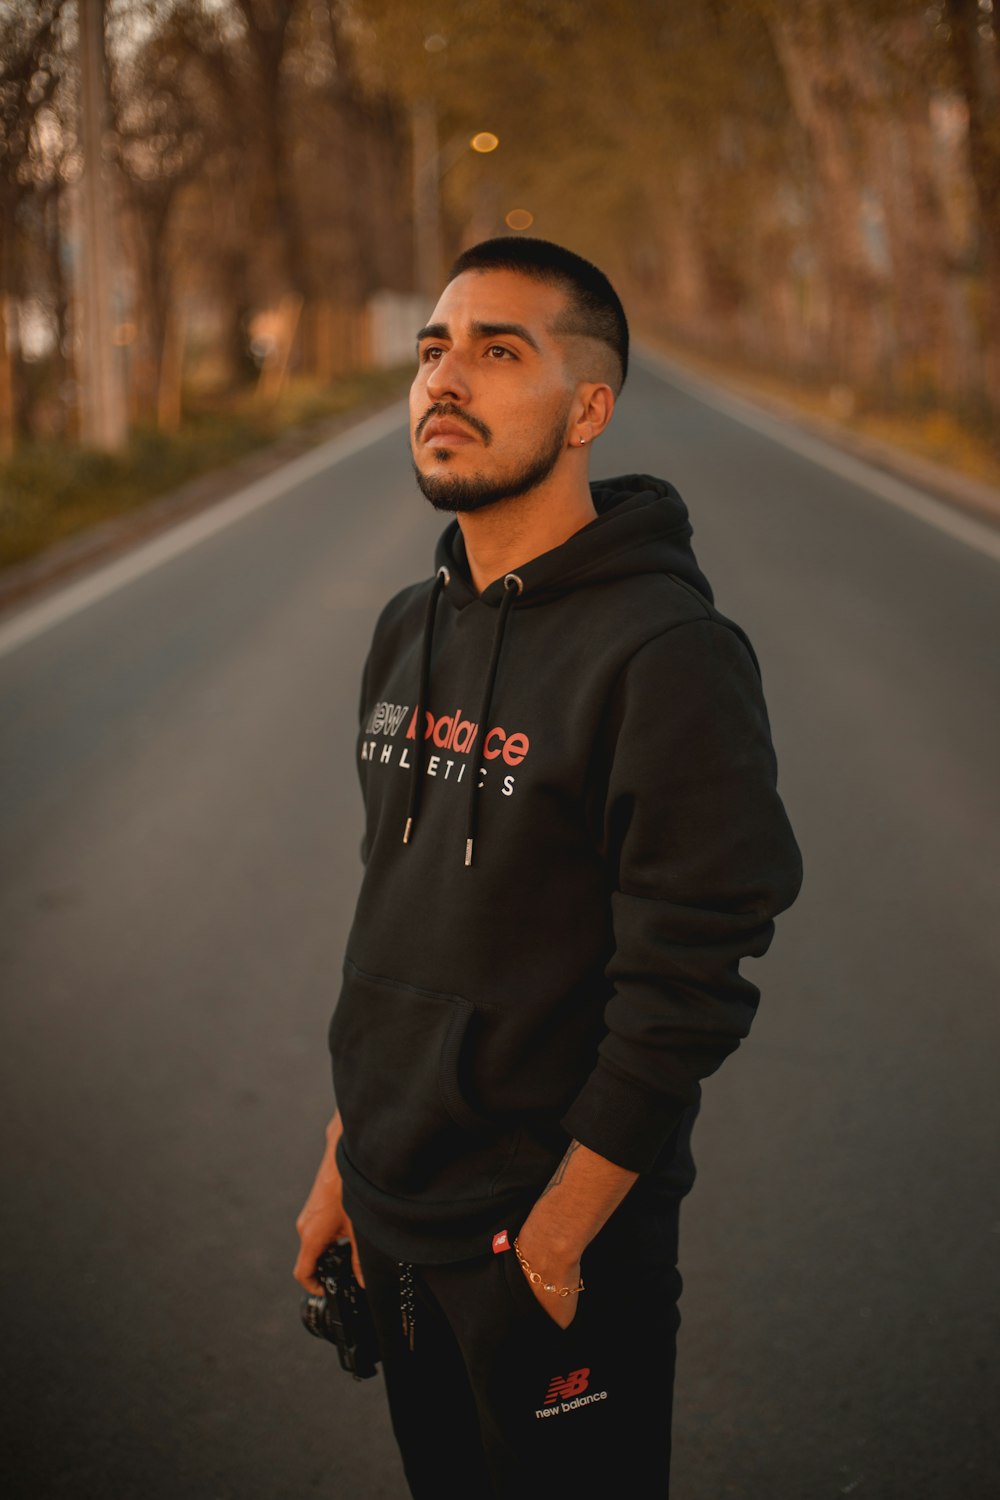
563,873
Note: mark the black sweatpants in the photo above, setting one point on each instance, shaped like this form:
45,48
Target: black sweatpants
495,1399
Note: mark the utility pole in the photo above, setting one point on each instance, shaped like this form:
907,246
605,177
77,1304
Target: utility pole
103,423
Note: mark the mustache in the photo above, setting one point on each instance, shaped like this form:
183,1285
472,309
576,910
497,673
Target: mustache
449,409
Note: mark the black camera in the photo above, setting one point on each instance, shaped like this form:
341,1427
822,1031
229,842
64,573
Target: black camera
342,1315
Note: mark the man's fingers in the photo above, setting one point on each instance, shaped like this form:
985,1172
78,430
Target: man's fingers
305,1272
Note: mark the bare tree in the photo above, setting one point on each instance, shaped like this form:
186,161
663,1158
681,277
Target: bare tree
30,70
161,147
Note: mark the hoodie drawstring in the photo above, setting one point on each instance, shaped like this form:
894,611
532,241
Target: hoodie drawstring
512,587
441,582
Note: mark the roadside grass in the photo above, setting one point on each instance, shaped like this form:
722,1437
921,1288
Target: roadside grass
50,491
941,436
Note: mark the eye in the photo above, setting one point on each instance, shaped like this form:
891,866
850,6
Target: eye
428,352
499,352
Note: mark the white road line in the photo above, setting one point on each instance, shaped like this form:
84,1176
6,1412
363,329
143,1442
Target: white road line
952,521
34,619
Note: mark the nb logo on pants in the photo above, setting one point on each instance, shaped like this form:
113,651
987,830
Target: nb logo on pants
566,1394
575,1384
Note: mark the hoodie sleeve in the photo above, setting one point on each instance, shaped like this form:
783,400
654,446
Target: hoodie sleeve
702,858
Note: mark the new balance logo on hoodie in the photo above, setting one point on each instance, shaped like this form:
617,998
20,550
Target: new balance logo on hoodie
450,733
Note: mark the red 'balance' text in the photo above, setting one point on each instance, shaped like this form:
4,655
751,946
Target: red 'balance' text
452,732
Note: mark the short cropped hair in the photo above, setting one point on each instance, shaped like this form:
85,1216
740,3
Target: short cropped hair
594,310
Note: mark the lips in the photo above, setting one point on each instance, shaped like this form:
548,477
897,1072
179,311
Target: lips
446,430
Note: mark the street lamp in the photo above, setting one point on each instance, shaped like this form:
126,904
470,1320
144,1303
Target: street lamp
430,163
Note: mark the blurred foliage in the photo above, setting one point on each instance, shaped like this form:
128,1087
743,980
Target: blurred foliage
806,188
52,491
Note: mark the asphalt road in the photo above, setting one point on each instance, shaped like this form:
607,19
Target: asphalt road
180,826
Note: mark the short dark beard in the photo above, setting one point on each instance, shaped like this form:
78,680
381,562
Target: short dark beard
458,495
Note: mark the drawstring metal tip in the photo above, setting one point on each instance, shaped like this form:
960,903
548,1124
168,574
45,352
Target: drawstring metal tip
407,830
468,851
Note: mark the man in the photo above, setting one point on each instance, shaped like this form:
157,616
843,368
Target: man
573,837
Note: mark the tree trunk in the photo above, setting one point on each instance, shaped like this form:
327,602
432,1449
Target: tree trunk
146,221
60,293
169,407
267,46
14,401
978,75
894,128
807,41
6,379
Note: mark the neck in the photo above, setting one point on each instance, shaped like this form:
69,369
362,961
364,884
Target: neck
505,536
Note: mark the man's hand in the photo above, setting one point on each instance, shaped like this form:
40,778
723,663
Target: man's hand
323,1218
556,1270
584,1192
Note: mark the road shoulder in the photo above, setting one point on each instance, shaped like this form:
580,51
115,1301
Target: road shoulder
974,496
67,561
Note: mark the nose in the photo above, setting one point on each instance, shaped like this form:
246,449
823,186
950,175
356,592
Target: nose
446,378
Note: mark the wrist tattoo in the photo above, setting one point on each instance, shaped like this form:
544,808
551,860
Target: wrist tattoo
560,1171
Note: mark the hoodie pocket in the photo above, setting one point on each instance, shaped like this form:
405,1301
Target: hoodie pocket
400,1064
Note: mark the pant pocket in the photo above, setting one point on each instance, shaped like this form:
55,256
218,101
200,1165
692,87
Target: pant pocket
526,1304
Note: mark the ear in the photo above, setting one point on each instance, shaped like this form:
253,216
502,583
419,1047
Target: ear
590,413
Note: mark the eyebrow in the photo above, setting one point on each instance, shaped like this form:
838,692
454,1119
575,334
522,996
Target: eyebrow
482,331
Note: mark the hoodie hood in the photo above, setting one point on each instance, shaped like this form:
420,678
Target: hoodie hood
642,526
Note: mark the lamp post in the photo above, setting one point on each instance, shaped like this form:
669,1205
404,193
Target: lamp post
430,163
